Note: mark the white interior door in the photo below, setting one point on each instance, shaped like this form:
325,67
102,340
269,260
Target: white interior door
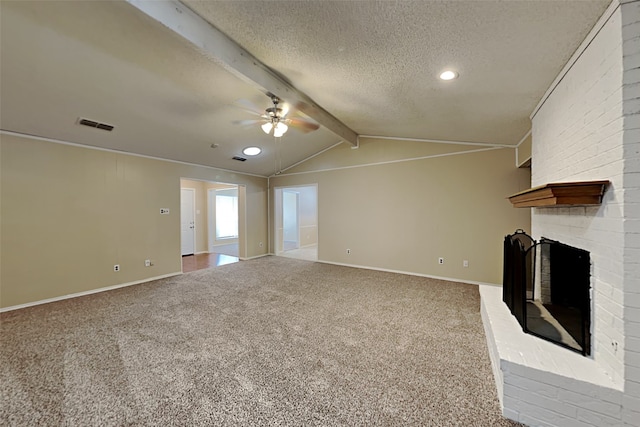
187,220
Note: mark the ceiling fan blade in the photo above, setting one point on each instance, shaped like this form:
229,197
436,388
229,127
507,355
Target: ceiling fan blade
248,106
303,125
247,122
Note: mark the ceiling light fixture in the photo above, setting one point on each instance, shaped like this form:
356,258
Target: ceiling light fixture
267,127
276,119
280,129
252,151
448,75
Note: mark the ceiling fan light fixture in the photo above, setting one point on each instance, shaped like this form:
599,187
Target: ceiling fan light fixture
267,127
252,151
448,75
280,129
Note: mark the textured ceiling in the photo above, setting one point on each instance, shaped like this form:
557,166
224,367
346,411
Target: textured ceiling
373,65
107,62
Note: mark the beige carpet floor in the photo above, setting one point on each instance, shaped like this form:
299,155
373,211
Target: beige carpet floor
271,341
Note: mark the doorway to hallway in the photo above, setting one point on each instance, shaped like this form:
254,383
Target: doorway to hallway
290,219
211,232
296,222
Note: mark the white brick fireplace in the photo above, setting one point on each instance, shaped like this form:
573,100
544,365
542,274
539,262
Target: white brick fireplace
587,127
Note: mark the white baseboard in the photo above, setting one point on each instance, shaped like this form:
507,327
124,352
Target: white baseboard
164,276
411,273
254,257
201,252
89,292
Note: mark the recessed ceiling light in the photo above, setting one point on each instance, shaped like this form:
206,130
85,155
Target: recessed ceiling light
252,151
448,75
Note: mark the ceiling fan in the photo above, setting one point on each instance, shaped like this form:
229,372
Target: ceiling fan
275,120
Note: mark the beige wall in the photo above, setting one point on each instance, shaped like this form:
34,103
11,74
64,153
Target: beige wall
68,214
403,215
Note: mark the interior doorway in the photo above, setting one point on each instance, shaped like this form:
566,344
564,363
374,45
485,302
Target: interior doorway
296,222
290,219
211,227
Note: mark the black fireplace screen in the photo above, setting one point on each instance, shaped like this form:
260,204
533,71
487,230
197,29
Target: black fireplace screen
555,305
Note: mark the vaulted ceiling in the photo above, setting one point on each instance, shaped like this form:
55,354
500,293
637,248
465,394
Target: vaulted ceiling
372,66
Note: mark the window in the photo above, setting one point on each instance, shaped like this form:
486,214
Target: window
227,213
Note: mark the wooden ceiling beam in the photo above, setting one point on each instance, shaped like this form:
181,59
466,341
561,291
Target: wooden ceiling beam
231,56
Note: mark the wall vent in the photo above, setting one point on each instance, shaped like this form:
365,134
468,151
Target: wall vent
240,159
94,124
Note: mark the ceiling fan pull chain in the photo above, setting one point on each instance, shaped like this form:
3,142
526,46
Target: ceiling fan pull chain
275,156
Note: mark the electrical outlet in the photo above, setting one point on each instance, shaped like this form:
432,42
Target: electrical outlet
164,211
440,260
465,263
348,251
260,244
116,267
147,263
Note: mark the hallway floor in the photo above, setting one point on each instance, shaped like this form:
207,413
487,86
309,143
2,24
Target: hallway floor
309,253
202,261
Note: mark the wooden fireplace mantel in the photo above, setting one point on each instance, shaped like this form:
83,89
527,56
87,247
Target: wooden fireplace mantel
583,193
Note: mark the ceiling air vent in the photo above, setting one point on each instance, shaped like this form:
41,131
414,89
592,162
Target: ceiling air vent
240,159
94,124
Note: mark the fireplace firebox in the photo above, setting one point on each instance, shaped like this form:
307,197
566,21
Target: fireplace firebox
546,285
